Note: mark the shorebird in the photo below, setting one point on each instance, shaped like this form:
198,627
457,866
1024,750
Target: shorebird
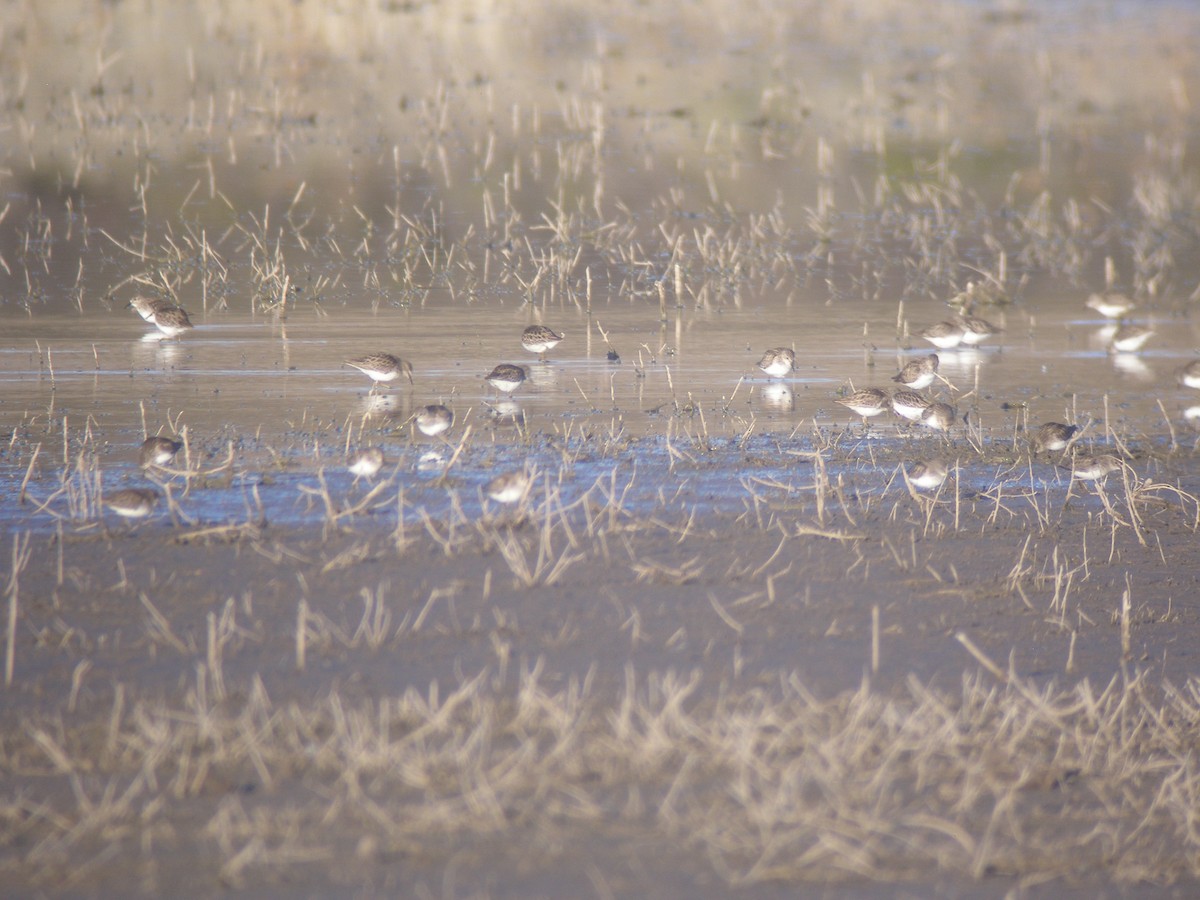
172,321
382,367
509,487
1129,339
909,405
944,335
866,402
433,420
132,503
506,377
927,474
1094,468
146,307
157,451
976,330
538,339
1111,306
938,416
919,373
778,362
1189,375
365,463
1054,436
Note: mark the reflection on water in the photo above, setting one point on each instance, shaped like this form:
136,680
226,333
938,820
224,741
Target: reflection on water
543,376
962,361
431,460
777,395
1102,336
381,403
1133,366
506,412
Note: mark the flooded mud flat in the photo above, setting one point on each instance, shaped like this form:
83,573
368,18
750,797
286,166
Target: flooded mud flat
665,618
642,687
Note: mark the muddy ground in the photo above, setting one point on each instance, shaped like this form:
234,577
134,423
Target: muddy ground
168,721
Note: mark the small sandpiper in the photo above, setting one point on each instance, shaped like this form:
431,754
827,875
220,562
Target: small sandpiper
1189,375
382,367
944,335
1111,306
132,503
919,373
976,330
1054,436
927,474
172,321
539,339
157,451
506,377
365,463
509,487
146,307
866,402
1129,339
909,405
939,416
778,362
1094,468
434,419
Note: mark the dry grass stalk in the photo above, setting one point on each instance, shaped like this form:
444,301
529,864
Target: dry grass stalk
21,552
778,786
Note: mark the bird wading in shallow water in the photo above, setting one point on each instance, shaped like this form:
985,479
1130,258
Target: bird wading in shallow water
927,474
146,307
1129,339
157,451
1111,306
506,377
909,405
938,416
778,362
944,335
365,463
172,321
1094,468
1054,436
132,503
509,487
919,373
434,420
866,403
539,339
382,368
976,330
1189,375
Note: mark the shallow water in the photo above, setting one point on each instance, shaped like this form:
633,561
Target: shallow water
279,391
829,203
